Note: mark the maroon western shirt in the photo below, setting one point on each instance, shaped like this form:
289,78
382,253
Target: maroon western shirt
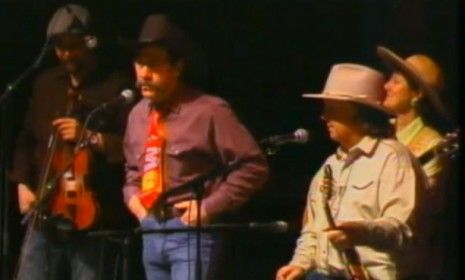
202,135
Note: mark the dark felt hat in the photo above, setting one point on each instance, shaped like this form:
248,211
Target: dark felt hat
70,18
159,29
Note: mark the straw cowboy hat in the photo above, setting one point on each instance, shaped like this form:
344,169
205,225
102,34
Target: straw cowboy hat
420,70
355,83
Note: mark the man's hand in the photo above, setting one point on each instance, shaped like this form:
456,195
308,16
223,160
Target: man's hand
68,128
339,239
290,272
137,208
190,213
26,198
346,234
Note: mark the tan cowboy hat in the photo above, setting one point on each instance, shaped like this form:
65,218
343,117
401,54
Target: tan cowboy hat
354,83
420,70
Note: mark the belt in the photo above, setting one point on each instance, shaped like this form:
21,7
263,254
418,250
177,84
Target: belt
322,276
416,277
166,213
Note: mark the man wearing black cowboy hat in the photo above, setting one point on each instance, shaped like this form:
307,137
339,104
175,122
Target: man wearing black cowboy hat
62,98
175,134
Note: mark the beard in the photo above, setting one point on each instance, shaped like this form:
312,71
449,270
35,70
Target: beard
155,92
149,85
73,66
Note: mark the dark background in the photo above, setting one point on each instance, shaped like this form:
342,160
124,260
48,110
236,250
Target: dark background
262,55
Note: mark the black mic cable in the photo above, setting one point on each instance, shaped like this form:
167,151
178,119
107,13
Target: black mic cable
12,86
126,95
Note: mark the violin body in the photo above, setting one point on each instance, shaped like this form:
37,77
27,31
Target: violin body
72,199
70,203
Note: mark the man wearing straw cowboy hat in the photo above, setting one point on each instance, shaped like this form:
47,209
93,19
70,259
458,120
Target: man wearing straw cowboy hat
413,94
375,185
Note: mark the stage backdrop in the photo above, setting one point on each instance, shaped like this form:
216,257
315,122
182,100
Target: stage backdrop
260,56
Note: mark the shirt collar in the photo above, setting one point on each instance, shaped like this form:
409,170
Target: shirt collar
92,77
181,95
366,146
406,134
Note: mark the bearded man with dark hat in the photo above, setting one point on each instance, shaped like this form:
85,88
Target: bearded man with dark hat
55,245
176,134
363,202
414,93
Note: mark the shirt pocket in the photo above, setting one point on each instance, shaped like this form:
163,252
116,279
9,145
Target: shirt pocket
178,149
181,160
362,184
188,151
361,196
186,160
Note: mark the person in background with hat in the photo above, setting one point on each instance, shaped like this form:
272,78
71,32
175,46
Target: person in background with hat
86,81
175,134
413,94
375,185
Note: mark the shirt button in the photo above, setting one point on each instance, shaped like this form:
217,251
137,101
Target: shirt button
173,151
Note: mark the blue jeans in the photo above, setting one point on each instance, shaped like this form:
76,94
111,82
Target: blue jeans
173,256
45,259
319,276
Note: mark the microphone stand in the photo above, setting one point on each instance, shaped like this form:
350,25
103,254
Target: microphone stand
197,187
177,194
5,149
81,143
129,234
184,192
42,202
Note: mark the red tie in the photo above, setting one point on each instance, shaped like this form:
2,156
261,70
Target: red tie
152,178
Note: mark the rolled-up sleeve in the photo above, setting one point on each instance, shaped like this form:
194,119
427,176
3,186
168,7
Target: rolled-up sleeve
398,194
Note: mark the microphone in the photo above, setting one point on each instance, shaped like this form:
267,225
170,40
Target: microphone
300,136
273,227
126,96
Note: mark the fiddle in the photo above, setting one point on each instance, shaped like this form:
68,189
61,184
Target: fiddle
71,199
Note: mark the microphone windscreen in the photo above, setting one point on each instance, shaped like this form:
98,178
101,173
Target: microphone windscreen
128,95
301,135
273,227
